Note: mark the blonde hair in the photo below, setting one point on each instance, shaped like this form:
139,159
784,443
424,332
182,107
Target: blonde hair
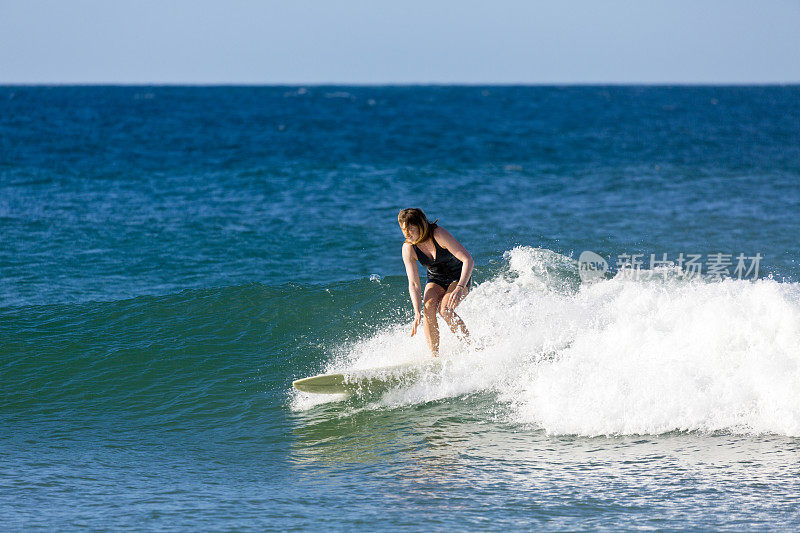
414,216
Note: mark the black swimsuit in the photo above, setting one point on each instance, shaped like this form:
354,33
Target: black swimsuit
445,269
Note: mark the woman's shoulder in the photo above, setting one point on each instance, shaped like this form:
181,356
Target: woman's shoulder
444,238
439,231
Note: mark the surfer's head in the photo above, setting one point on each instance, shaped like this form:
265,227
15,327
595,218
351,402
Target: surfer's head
415,225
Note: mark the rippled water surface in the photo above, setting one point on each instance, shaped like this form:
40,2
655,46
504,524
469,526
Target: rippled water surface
172,258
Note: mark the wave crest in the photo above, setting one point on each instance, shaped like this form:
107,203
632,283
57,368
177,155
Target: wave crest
621,356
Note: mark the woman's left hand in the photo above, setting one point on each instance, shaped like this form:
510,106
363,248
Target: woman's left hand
455,297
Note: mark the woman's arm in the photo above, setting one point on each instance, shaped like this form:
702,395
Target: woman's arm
414,287
446,240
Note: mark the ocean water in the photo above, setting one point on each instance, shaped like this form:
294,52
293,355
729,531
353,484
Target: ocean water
173,257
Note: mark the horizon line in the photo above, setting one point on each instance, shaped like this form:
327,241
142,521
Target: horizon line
406,84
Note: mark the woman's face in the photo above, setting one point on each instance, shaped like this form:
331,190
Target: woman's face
411,232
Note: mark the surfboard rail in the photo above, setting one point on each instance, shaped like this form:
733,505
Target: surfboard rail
362,380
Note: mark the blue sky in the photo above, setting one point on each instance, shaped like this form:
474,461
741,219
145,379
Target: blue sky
377,42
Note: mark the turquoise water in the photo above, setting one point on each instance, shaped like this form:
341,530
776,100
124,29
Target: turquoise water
172,258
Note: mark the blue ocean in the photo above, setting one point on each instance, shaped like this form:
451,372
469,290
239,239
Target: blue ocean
172,258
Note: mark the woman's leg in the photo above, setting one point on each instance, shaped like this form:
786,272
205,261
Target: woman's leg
430,303
457,325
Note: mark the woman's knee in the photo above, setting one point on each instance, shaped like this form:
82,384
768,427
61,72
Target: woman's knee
429,306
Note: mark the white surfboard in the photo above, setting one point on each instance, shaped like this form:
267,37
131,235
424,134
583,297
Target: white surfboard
368,380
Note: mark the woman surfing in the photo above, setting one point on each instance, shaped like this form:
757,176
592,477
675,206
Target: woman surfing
449,274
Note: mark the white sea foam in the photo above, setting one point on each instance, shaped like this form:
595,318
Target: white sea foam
620,356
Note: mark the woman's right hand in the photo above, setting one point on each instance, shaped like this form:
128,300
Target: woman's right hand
417,320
